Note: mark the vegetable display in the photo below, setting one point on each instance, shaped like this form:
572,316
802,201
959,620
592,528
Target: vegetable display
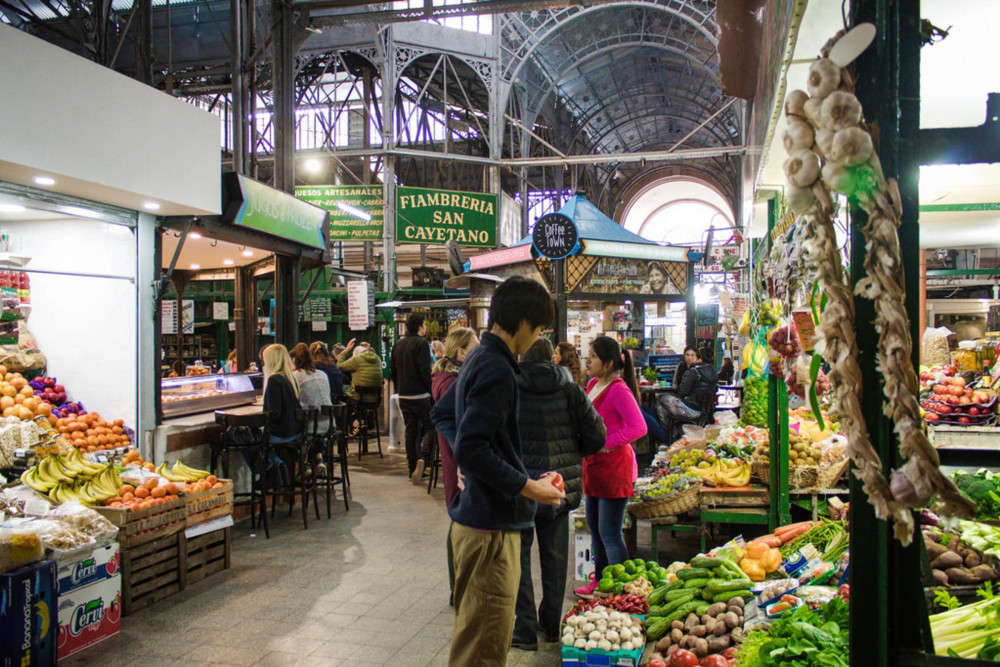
754,411
603,629
805,638
961,559
972,631
819,534
645,575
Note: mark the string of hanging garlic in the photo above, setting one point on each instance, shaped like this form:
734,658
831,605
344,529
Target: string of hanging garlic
829,147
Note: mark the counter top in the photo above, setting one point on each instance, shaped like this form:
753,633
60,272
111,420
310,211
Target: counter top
208,418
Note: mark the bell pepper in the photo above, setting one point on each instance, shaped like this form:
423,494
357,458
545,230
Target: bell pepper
771,560
753,569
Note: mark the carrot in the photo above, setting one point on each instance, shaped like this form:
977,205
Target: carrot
792,526
772,541
790,535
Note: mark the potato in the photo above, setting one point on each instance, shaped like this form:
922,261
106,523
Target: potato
972,559
710,626
700,648
692,620
984,573
716,609
720,629
676,635
670,651
934,549
946,560
706,618
664,644
736,635
699,631
961,576
719,644
736,610
678,625
738,602
731,620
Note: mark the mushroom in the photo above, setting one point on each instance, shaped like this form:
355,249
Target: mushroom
824,77
840,111
802,168
798,135
795,103
851,147
800,200
580,643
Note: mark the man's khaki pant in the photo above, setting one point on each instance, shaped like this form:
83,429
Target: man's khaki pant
487,572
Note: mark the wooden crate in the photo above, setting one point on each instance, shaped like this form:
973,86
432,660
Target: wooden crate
205,555
208,504
742,497
148,525
151,571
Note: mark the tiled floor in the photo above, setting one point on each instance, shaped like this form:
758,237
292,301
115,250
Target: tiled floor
367,587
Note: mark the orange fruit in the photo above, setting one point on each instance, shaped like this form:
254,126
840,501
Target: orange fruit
119,422
27,391
24,414
6,402
19,399
126,488
31,403
44,409
142,492
211,479
152,483
128,496
158,492
19,383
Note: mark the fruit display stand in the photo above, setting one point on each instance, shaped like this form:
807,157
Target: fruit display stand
137,527
205,555
209,503
151,571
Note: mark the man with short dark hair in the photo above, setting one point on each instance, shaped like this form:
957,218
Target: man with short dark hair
499,497
410,371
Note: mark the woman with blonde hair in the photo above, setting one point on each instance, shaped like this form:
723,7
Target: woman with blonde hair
281,394
457,345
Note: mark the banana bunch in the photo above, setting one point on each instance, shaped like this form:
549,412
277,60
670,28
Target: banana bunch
181,473
723,473
71,477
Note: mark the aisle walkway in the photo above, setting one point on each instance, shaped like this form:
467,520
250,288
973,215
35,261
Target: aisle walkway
367,587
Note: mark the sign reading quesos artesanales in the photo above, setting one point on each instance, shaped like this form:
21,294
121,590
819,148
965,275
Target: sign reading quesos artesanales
437,216
349,206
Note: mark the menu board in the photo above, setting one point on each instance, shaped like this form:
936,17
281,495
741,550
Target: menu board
357,305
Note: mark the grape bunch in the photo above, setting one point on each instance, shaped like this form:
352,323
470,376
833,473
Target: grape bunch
687,458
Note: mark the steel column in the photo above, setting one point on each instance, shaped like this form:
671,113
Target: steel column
283,74
245,316
286,289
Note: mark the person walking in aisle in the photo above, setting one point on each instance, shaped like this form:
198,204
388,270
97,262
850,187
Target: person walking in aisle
410,370
559,427
498,501
565,355
609,475
457,346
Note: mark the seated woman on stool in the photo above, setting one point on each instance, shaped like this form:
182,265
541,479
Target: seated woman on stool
699,381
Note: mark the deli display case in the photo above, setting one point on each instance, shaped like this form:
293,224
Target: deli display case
204,393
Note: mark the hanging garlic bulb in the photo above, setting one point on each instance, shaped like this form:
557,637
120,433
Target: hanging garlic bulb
802,168
851,147
840,111
838,177
795,103
824,77
798,135
800,200
824,141
813,109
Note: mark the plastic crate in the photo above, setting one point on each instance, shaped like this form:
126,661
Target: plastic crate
575,657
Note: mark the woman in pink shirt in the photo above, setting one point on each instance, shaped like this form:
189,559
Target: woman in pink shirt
609,475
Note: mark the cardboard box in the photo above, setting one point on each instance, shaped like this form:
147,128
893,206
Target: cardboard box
584,559
28,616
102,563
89,614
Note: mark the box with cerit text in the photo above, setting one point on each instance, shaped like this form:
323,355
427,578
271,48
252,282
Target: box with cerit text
102,563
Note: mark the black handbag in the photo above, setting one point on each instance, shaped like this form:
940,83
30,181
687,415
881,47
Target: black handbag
242,435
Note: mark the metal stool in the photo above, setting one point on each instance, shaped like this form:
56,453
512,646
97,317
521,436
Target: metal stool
335,440
435,470
368,404
255,454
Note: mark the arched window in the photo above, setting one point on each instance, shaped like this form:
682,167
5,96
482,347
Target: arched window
677,211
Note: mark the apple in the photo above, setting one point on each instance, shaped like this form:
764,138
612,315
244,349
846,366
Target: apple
940,389
964,400
956,391
967,391
931,417
61,398
964,420
973,411
926,375
948,369
59,389
49,382
958,381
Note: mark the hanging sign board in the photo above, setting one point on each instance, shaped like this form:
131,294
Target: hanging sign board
187,316
220,310
555,236
720,260
436,216
261,207
168,316
357,305
315,310
356,211
619,275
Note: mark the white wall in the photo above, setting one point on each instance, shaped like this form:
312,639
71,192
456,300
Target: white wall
103,136
85,326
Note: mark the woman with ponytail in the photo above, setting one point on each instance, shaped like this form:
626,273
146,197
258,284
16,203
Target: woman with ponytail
609,475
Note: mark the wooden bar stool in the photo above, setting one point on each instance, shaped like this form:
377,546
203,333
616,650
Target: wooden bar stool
248,435
297,451
334,448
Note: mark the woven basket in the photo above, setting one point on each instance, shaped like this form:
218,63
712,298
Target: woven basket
761,469
828,478
671,505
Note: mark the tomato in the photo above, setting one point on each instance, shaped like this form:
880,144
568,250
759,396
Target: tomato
964,420
683,658
931,417
944,409
974,411
714,661
730,653
656,663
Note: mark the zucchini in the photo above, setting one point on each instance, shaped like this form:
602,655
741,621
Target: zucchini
681,613
726,596
696,583
732,567
659,594
657,628
674,604
702,609
693,573
706,562
673,595
707,594
719,585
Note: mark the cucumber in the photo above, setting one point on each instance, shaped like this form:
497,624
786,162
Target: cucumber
707,594
702,609
659,594
726,596
706,562
676,603
719,585
696,583
673,595
657,628
693,573
682,612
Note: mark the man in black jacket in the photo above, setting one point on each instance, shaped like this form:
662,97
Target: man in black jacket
498,501
558,426
410,371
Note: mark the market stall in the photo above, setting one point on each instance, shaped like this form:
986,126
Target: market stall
605,279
